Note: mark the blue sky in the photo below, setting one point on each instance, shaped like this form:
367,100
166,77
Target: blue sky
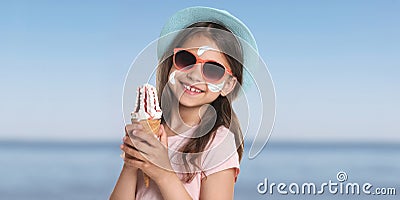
334,64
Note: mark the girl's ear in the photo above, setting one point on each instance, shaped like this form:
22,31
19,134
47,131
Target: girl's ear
229,86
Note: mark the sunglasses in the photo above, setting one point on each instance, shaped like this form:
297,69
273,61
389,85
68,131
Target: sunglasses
212,71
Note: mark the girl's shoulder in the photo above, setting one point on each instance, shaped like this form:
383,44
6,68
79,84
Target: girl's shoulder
223,133
221,153
222,128
224,139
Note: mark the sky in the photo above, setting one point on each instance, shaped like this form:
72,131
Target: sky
334,65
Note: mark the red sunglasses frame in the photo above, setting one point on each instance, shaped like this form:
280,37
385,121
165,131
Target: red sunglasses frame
199,60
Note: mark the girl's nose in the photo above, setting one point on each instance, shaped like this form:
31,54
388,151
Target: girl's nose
195,74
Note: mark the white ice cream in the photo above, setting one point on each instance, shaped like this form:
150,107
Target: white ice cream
147,106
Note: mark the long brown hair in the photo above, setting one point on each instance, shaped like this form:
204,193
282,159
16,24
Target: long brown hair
226,116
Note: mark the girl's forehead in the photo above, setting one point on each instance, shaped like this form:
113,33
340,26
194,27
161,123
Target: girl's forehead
199,41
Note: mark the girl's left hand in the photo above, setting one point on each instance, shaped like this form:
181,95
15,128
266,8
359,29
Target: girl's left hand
151,153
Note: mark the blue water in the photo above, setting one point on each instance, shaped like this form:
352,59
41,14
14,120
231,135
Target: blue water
45,171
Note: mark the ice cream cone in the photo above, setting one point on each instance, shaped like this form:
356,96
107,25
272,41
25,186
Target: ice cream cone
147,112
151,127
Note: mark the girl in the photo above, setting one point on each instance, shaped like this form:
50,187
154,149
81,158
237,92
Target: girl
200,147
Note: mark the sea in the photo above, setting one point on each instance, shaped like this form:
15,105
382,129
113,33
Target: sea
283,170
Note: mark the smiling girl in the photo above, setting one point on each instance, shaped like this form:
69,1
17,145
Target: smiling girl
199,75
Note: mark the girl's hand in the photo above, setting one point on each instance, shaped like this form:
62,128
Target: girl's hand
127,144
150,154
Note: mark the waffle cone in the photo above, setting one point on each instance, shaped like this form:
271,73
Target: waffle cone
151,127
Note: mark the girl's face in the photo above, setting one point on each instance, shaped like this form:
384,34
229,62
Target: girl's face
189,86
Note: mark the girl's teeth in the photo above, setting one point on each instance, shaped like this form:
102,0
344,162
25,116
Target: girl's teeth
192,89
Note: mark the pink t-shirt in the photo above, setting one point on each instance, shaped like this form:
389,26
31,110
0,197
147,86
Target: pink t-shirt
219,155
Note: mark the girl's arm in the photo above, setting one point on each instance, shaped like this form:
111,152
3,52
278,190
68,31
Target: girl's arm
219,185
221,166
152,159
172,188
169,184
125,188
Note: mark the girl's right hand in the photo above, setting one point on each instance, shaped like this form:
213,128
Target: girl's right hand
127,143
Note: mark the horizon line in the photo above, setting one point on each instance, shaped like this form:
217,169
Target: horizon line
247,144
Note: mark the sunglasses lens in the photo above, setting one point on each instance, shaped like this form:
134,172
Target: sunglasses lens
213,71
184,59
